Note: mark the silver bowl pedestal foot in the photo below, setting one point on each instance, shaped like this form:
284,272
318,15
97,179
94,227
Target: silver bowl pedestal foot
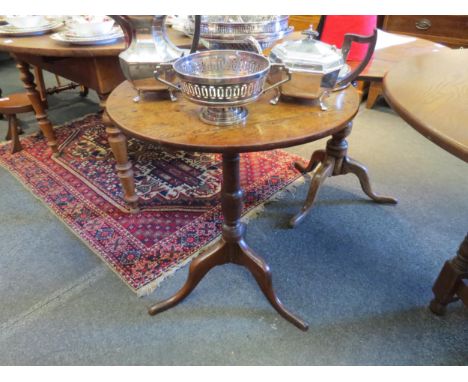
224,116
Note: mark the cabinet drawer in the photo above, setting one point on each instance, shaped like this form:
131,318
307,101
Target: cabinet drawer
447,27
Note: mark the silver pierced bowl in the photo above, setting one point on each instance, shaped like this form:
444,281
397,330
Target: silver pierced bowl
230,32
219,26
221,80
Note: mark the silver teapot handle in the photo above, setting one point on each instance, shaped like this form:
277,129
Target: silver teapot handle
283,68
162,69
346,47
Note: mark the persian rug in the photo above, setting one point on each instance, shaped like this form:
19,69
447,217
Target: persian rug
179,196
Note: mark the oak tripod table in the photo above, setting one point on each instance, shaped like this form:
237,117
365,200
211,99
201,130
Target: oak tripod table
429,92
176,125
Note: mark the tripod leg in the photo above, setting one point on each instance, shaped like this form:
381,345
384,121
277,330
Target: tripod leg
321,172
356,168
449,280
198,269
317,157
262,274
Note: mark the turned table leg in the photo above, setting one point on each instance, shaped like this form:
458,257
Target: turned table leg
449,285
118,144
332,162
232,248
39,75
44,124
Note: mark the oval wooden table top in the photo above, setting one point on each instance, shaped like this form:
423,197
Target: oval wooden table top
44,46
430,92
177,124
391,48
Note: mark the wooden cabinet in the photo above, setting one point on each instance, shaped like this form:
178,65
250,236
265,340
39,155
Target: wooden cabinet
448,30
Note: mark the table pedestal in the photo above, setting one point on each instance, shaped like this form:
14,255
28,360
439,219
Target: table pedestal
449,286
232,248
331,162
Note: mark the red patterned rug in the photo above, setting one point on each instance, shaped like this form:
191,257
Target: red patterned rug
178,191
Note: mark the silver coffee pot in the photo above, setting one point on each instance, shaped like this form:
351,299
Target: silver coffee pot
148,46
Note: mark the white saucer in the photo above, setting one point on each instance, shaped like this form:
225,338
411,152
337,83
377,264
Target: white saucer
10,30
67,38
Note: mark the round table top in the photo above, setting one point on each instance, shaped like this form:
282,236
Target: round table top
430,92
177,124
43,45
390,49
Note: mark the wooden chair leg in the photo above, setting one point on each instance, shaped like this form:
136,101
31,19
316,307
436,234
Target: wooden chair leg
375,91
13,128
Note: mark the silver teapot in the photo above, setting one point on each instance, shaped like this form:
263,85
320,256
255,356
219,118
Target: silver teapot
148,46
317,68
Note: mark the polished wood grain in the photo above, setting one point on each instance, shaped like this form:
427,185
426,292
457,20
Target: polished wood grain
176,124
429,92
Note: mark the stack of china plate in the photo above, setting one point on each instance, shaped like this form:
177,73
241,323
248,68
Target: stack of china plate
232,32
88,30
28,26
71,37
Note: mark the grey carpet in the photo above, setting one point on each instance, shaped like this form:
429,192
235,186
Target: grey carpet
360,273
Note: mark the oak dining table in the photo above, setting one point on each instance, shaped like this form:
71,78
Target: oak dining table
95,67
429,92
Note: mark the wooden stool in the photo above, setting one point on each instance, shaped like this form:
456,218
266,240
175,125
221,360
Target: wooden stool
10,106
